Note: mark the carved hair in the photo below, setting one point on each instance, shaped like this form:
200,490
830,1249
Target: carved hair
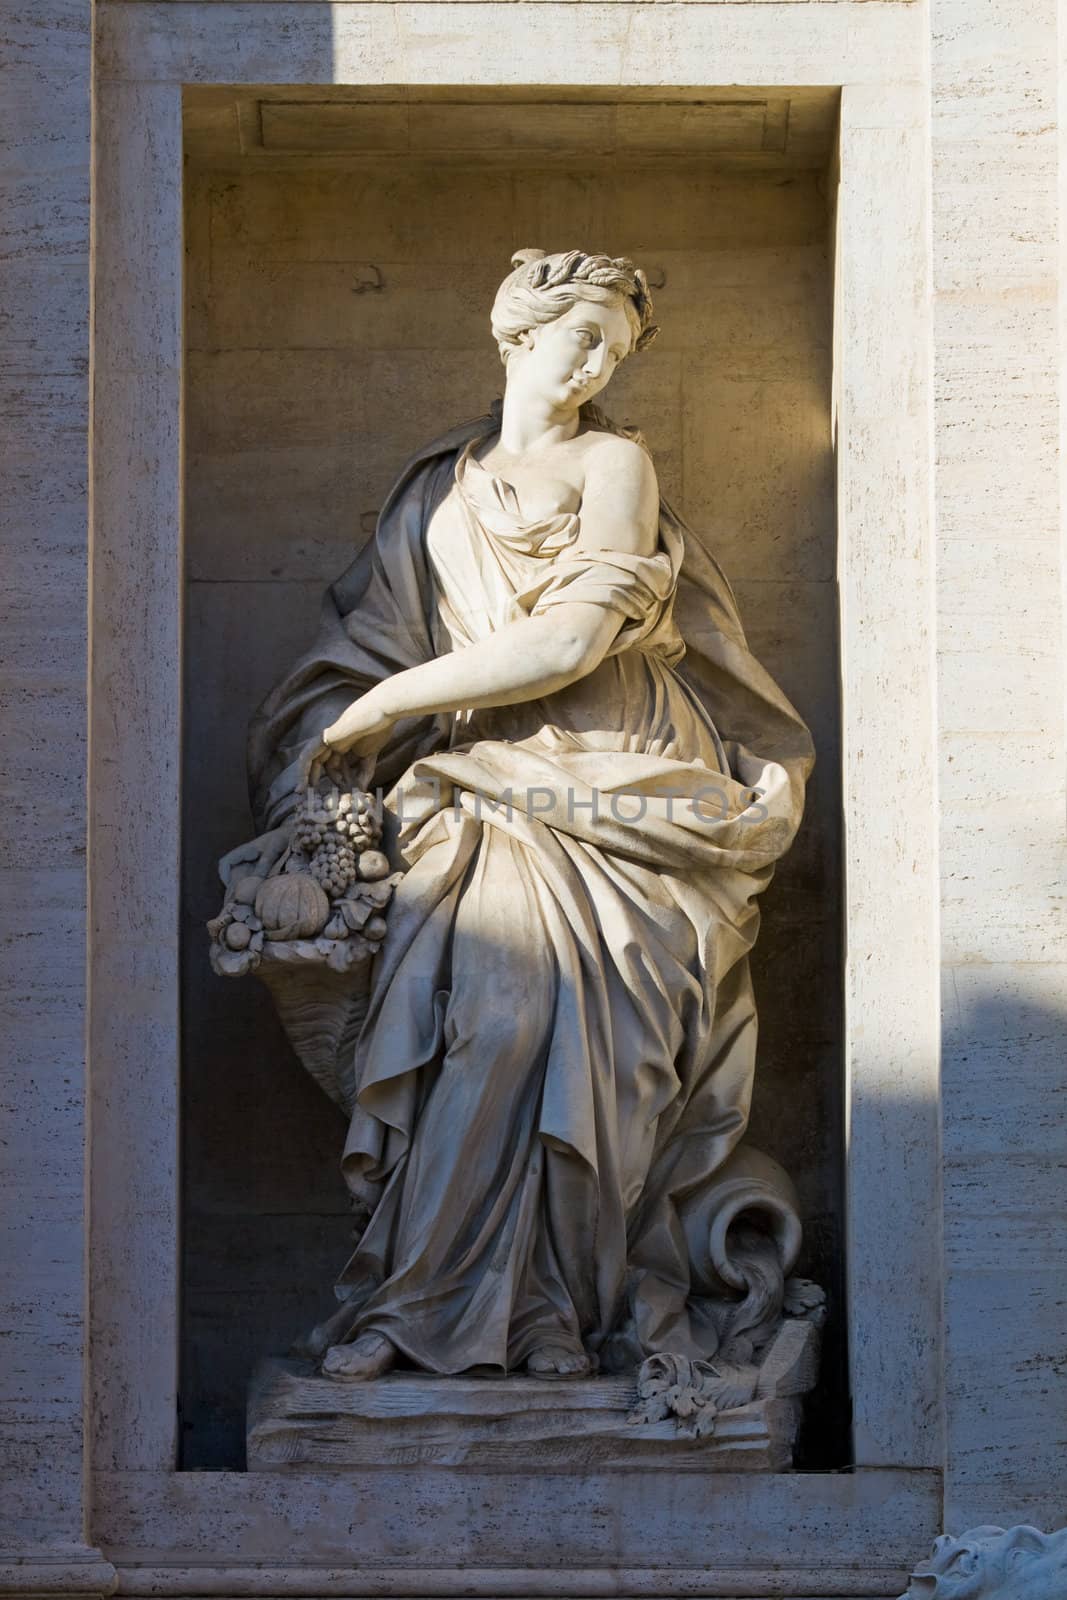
544,287
994,1564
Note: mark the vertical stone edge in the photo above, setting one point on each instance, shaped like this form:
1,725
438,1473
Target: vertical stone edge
135,686
885,572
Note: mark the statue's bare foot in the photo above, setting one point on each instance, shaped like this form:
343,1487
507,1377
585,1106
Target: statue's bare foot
366,1357
558,1361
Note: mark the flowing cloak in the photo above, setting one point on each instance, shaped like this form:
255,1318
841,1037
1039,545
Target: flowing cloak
554,1075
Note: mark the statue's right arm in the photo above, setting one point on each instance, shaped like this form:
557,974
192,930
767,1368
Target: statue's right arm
531,656
522,660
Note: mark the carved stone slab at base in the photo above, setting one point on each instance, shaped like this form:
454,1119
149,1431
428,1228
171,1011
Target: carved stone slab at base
299,1420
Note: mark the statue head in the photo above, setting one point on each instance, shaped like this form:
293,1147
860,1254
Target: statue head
567,320
993,1564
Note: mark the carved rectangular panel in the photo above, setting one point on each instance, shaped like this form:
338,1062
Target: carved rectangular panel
493,133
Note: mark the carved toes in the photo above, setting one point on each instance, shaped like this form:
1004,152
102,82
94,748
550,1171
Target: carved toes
558,1361
369,1356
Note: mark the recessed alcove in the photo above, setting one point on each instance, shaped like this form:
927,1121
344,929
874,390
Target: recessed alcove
342,248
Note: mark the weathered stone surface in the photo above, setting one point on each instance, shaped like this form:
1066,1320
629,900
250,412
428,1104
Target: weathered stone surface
133,777
997,362
44,414
297,1419
886,615
449,43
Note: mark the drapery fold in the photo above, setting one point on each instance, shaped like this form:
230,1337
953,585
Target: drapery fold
555,1072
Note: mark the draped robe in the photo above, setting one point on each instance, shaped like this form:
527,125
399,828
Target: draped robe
553,1079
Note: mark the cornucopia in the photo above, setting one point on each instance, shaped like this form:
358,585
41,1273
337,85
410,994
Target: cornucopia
311,928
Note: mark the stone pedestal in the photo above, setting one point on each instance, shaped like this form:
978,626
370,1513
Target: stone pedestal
298,1419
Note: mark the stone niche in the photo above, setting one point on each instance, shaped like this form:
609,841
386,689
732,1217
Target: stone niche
342,249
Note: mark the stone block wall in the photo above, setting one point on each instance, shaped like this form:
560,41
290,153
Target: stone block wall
44,412
997,266
996,215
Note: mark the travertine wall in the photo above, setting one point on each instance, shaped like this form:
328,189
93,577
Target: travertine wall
1000,705
44,410
995,217
335,321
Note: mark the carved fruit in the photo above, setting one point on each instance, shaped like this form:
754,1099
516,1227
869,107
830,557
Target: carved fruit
238,936
375,929
373,864
245,892
292,907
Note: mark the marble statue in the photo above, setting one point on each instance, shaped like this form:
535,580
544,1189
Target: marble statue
990,1563
525,972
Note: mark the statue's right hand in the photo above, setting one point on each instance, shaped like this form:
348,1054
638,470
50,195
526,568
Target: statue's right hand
257,856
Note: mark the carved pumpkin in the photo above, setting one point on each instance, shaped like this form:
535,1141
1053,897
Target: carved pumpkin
292,906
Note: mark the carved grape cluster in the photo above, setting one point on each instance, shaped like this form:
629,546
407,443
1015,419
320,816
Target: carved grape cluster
335,838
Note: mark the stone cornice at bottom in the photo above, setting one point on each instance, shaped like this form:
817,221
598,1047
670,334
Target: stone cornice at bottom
78,1571
441,1583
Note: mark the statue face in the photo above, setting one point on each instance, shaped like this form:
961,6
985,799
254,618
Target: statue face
568,361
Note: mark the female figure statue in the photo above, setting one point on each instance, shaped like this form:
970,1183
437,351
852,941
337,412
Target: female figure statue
588,781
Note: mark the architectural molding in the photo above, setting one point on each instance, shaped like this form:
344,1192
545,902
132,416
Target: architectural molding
81,1571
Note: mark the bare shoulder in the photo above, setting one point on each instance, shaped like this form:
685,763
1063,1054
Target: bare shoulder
620,503
606,453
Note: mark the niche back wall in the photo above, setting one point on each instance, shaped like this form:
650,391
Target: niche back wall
337,318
